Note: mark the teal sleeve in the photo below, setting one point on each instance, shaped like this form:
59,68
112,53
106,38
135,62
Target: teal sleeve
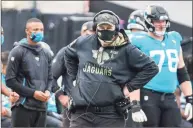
177,36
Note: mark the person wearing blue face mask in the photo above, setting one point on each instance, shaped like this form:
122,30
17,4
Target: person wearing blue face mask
29,74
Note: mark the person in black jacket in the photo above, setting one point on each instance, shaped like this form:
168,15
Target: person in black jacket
87,28
29,74
59,69
106,67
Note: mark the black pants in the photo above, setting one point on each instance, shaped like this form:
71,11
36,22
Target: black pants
93,120
185,124
54,120
5,122
22,117
81,119
161,109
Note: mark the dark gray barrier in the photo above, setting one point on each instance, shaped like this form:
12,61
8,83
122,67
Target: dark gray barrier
8,22
52,30
76,24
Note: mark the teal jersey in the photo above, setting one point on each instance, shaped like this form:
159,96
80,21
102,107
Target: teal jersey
166,55
5,100
52,104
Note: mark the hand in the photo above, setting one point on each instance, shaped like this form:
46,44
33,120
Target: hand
47,93
39,95
188,107
139,116
137,113
13,97
126,92
188,111
4,111
64,99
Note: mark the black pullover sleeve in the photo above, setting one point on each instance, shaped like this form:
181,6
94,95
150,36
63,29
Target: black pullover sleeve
50,76
49,56
71,59
13,66
58,69
21,90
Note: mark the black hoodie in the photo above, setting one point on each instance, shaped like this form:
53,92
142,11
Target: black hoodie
103,70
29,70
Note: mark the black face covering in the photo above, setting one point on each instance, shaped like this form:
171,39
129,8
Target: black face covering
106,35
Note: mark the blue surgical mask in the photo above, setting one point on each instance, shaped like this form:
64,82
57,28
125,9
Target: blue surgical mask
2,39
37,37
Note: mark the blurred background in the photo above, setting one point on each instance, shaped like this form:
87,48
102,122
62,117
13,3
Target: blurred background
63,19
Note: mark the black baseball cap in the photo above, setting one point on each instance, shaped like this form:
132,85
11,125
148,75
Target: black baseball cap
87,26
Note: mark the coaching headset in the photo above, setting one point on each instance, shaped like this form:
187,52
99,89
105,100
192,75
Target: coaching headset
96,19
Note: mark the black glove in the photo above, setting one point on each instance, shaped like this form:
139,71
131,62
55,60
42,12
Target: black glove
135,106
189,99
137,113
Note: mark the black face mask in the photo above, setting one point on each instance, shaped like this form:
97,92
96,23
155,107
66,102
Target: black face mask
106,35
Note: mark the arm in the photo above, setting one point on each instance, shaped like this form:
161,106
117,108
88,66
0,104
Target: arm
185,83
4,90
13,96
58,68
71,66
12,71
178,94
71,59
146,68
50,76
135,95
4,111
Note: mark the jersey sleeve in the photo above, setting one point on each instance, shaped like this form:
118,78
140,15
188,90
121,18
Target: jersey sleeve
178,39
178,36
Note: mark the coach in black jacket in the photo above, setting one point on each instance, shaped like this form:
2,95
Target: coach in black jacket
107,67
